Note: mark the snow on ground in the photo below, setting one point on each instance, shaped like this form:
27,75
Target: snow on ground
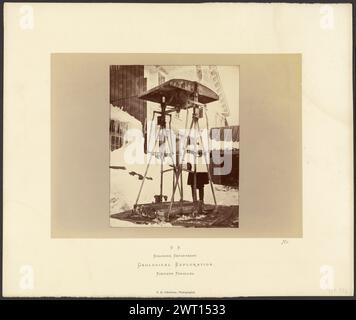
227,196
227,145
122,116
122,223
124,187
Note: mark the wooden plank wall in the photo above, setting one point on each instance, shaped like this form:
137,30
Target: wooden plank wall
126,83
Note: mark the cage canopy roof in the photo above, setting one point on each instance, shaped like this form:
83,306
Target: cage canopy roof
177,91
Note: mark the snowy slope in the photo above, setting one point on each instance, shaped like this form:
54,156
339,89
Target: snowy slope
122,116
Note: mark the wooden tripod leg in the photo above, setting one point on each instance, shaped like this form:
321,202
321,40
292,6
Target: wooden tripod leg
207,167
162,159
144,176
175,163
170,147
195,164
180,170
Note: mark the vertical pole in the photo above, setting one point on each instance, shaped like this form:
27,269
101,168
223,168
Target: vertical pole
181,184
195,159
144,176
178,162
162,127
162,158
170,151
207,167
180,168
149,161
195,119
173,179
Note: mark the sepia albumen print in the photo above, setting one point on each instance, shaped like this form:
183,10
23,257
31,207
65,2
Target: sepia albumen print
174,146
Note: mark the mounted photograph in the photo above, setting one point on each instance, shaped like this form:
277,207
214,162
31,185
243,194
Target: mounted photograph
174,146
178,151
